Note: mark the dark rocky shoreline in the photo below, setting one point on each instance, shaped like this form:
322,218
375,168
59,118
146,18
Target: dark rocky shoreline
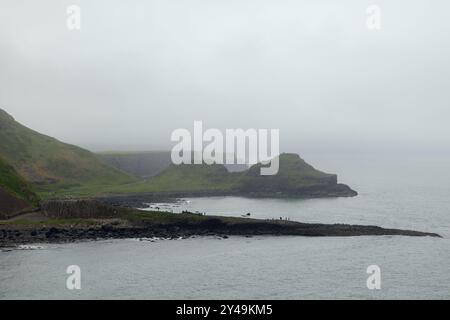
74,220
212,226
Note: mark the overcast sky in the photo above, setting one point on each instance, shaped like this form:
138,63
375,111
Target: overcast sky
137,70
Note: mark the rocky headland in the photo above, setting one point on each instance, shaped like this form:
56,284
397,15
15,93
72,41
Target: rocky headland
74,220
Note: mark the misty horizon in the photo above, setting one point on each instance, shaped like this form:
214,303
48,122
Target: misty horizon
133,74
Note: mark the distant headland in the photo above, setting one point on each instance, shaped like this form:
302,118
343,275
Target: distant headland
55,169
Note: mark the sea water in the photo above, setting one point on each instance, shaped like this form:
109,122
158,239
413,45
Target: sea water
409,194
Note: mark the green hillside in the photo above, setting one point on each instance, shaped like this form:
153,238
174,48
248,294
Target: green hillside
59,169
11,181
51,164
147,164
294,178
15,193
294,174
185,178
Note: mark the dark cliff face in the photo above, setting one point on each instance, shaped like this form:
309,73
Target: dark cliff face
77,209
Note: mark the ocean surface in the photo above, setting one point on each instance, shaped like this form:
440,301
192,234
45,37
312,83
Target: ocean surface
410,192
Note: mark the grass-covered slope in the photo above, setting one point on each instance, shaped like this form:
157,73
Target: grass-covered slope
15,193
58,169
147,164
294,178
186,179
52,164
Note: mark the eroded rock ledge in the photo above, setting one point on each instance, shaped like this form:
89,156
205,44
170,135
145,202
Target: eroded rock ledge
68,221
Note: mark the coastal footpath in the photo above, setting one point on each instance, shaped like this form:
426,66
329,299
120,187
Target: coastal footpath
74,220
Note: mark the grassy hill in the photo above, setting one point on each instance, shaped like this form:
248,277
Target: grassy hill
294,175
184,178
59,169
147,164
295,178
15,193
52,164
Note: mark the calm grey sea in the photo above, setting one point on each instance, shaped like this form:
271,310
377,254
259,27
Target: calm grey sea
411,192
